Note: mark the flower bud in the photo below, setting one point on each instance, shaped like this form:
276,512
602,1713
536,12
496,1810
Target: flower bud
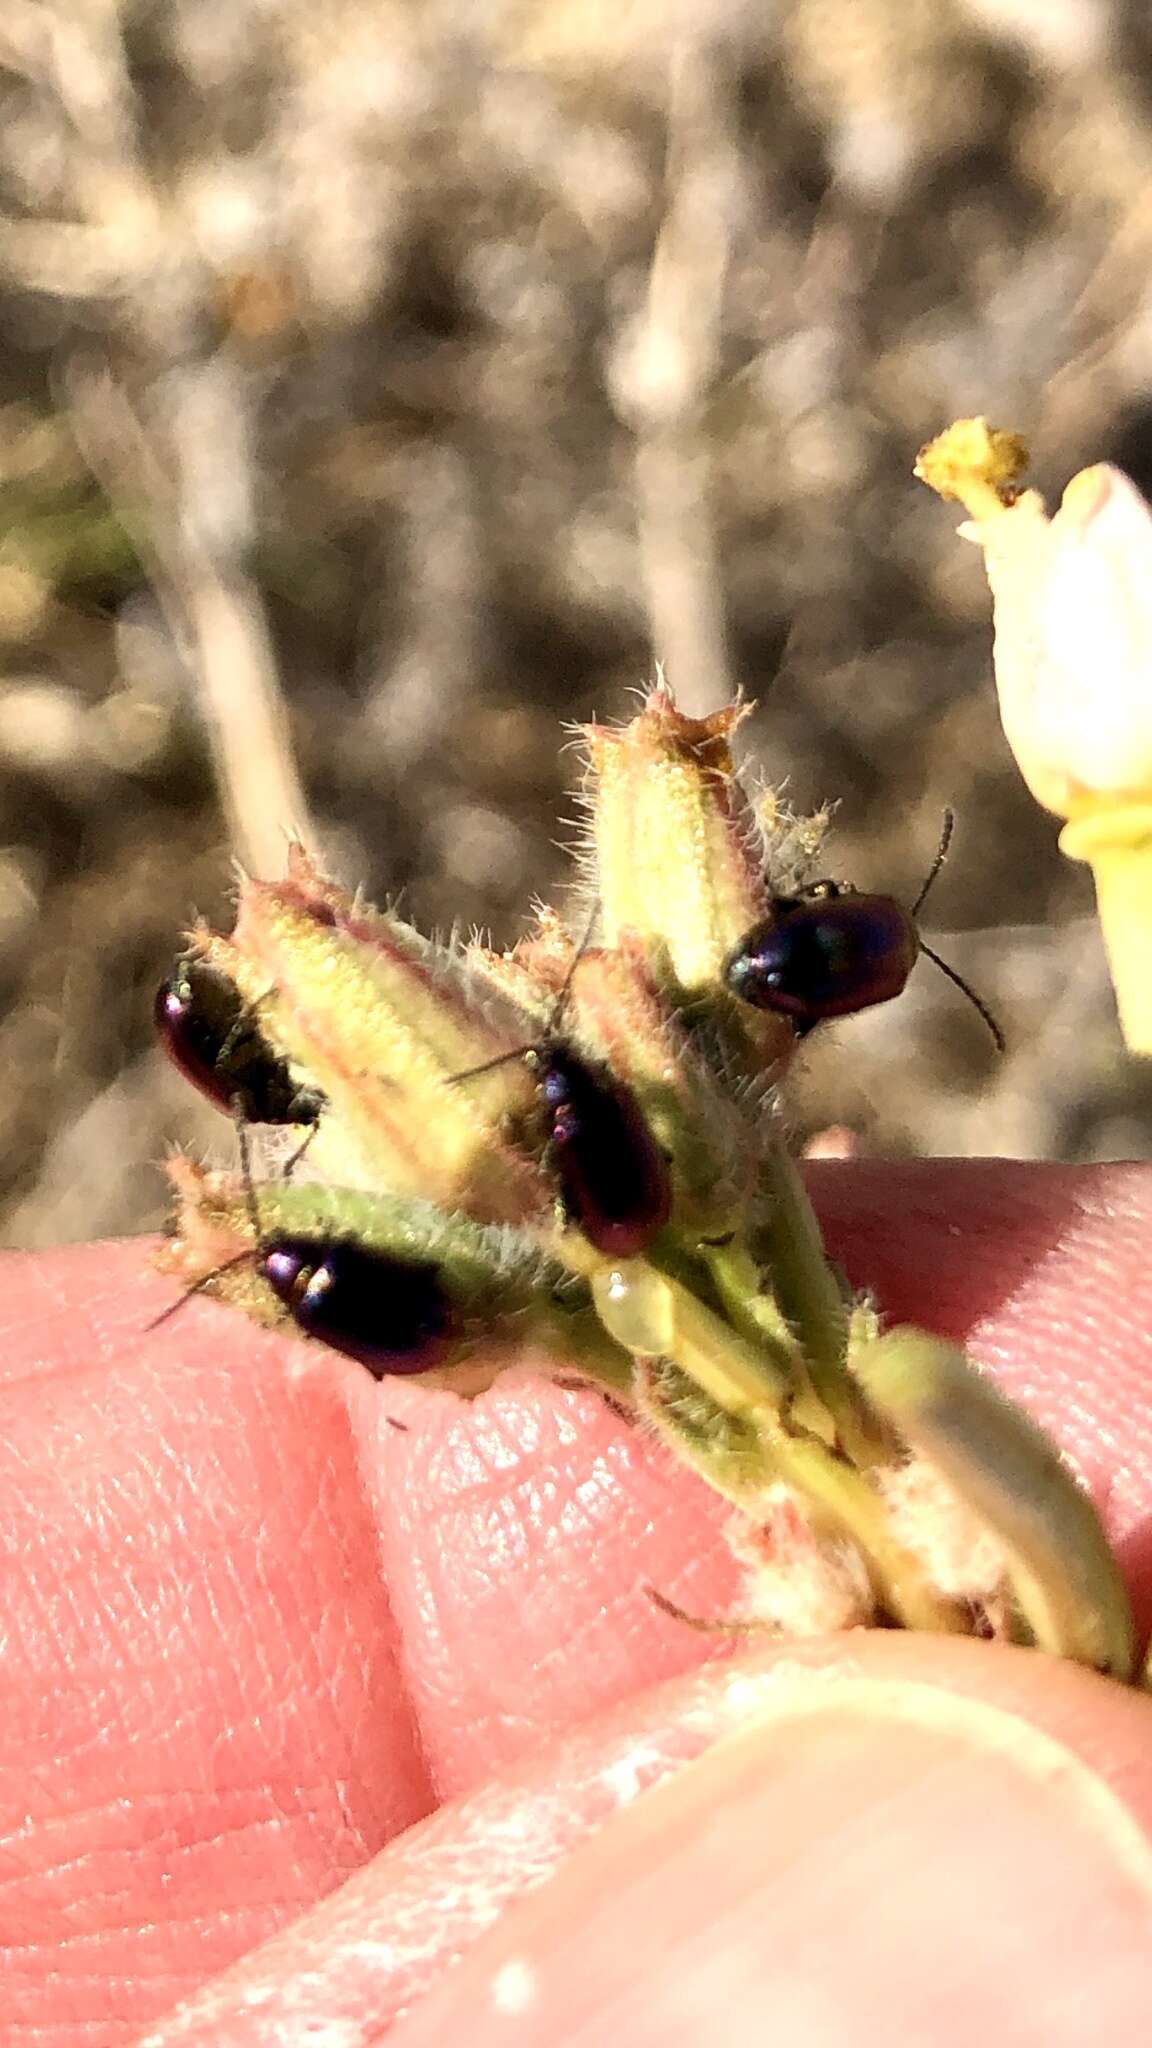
564,1151
383,1021
679,859
1060,1575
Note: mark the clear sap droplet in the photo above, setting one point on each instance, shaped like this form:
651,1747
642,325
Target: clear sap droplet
636,1306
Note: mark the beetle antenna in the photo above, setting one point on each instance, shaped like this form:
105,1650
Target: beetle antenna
939,859
245,1151
578,955
239,1258
294,1158
197,1287
504,1059
980,1007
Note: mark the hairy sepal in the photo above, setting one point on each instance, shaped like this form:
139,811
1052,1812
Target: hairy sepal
384,1021
506,1294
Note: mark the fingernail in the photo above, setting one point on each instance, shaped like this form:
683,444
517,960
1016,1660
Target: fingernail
867,1860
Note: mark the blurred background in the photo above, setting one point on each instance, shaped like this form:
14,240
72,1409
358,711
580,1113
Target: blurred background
384,387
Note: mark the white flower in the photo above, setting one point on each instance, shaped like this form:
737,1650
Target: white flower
1072,598
1073,648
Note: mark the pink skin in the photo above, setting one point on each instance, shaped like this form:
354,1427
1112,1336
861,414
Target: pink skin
250,1632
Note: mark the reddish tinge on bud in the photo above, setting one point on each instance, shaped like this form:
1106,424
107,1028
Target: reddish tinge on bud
383,1020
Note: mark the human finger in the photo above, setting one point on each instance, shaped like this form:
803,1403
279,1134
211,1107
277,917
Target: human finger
874,1837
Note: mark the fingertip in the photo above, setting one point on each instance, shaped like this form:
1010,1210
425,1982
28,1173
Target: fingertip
877,1836
883,1859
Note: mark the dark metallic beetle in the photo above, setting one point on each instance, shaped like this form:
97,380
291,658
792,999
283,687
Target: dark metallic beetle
827,953
831,951
393,1315
210,1033
614,1180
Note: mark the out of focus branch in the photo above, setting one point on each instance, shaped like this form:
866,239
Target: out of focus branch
164,415
197,539
664,374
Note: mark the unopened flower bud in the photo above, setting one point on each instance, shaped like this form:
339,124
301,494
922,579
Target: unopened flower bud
1060,1574
383,1020
678,857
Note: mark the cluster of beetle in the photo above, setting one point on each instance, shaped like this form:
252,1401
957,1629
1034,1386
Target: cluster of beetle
828,952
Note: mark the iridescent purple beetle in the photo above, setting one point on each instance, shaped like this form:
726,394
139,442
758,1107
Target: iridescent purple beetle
830,951
210,1033
614,1179
392,1315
